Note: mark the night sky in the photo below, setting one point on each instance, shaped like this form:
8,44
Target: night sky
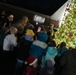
47,7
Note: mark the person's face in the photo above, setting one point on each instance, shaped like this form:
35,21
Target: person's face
3,12
25,21
10,18
35,65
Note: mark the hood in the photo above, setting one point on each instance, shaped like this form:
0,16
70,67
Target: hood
51,52
50,64
42,37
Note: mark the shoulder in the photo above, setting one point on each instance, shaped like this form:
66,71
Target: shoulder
8,36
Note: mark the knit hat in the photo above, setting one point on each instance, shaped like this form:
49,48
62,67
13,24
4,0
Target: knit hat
50,64
29,32
32,60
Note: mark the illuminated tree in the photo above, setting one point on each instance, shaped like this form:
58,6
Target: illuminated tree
67,31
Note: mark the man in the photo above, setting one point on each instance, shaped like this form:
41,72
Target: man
68,62
21,24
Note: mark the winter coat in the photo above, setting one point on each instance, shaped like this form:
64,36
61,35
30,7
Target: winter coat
2,36
24,47
51,53
68,62
63,50
38,48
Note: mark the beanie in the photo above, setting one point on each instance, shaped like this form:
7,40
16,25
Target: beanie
29,32
52,61
50,64
32,60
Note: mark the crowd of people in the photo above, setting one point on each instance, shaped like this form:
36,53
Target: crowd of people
27,49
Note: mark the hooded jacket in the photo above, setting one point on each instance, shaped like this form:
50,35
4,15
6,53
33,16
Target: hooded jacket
68,62
51,53
38,48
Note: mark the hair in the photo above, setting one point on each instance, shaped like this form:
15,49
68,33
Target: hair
62,44
50,63
13,30
52,43
31,26
24,18
58,46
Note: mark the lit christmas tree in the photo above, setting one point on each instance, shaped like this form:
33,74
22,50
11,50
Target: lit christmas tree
67,31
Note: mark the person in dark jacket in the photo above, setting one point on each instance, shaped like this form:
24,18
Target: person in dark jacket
68,62
23,50
61,48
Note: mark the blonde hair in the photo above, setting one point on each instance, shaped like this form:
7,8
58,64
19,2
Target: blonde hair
13,30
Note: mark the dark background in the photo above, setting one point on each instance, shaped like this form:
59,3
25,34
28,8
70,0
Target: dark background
47,7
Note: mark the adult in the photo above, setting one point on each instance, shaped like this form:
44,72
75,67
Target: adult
10,42
68,62
23,50
21,24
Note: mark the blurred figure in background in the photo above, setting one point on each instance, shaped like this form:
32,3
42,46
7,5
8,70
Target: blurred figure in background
21,25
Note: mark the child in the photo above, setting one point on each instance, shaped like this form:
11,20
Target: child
38,47
31,67
49,68
51,52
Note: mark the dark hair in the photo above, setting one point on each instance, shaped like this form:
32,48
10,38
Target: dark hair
58,46
52,43
62,44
